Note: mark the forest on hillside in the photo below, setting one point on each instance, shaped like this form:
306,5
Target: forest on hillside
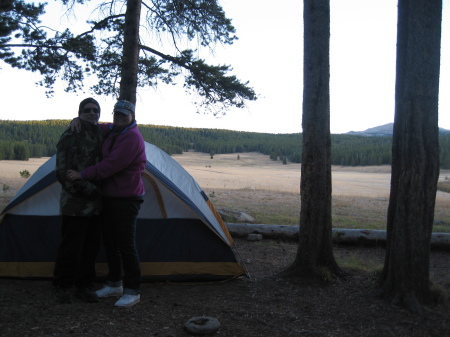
21,140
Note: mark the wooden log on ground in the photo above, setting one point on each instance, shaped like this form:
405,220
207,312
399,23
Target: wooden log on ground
340,235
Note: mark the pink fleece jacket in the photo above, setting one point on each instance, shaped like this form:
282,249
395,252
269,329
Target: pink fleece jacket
123,162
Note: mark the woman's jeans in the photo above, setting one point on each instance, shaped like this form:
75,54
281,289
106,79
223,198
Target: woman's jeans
119,219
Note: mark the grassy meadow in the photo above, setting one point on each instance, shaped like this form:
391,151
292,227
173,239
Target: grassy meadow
270,191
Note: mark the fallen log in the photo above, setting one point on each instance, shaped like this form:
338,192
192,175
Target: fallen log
340,235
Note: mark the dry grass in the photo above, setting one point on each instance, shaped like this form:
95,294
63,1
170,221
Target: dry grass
270,191
252,171
10,171
10,179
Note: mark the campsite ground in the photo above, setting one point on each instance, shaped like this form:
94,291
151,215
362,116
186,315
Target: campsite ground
261,305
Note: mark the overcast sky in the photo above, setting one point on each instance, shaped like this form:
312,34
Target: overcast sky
269,55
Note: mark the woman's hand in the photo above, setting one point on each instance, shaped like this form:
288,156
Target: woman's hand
72,175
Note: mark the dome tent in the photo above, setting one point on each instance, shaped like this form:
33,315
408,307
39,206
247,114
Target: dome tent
180,236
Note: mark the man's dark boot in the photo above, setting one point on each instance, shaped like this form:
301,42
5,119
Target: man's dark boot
86,294
62,295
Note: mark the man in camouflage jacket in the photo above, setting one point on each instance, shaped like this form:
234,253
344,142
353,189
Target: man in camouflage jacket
80,205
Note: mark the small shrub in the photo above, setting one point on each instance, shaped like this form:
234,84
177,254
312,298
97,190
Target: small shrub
439,294
441,227
25,174
5,188
444,186
324,273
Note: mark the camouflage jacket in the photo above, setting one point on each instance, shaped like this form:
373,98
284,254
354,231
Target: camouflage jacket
76,151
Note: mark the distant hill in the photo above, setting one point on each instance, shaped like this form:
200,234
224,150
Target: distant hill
384,130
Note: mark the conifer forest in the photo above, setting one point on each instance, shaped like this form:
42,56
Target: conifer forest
21,140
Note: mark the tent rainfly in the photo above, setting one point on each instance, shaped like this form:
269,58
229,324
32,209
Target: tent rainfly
180,236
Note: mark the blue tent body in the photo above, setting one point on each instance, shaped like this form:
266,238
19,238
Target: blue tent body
180,236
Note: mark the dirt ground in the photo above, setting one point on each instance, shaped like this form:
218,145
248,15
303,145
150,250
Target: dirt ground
261,305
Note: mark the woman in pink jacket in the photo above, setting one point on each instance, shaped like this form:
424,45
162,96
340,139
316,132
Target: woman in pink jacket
123,162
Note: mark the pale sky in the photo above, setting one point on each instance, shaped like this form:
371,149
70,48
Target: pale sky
269,55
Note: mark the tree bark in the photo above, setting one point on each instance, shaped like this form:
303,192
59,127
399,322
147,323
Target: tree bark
130,58
315,250
415,154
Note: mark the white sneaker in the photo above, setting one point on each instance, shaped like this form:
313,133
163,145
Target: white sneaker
108,291
128,300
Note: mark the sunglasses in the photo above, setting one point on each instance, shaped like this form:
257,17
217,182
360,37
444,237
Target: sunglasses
87,110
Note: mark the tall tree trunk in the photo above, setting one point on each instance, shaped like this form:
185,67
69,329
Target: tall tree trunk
415,154
315,250
130,58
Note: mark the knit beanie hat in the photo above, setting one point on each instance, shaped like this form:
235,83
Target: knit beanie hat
86,101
